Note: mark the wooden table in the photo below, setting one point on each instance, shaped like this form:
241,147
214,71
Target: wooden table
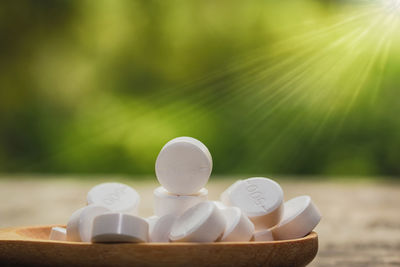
360,225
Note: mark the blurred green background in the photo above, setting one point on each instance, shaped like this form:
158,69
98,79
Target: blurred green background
302,87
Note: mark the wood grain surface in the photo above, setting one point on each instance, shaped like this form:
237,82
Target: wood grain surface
360,224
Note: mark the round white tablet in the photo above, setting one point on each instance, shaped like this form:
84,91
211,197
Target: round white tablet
263,235
260,199
58,233
160,230
183,166
299,218
238,226
225,195
220,205
167,203
119,227
151,221
201,223
116,197
79,226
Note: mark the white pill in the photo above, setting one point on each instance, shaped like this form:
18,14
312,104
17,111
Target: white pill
299,218
201,223
119,227
225,195
79,226
152,220
161,228
183,166
261,199
238,226
263,235
116,197
58,233
167,203
220,205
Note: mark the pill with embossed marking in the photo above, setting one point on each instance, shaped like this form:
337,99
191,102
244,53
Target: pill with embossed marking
299,218
116,197
260,199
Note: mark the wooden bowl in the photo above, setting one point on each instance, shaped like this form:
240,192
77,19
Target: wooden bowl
30,246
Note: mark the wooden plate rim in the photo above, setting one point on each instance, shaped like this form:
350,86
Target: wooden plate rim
16,234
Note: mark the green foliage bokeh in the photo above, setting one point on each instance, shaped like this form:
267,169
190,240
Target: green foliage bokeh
100,86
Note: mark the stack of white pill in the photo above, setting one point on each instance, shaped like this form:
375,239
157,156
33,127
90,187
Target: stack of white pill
250,210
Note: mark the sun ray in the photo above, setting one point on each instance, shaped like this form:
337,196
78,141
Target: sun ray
259,78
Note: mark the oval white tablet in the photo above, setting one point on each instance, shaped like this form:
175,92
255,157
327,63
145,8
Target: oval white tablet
260,199
238,226
167,203
263,235
299,218
119,227
79,226
58,233
183,166
160,230
116,197
201,223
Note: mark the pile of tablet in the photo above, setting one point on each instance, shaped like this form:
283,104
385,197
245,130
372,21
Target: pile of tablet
252,209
